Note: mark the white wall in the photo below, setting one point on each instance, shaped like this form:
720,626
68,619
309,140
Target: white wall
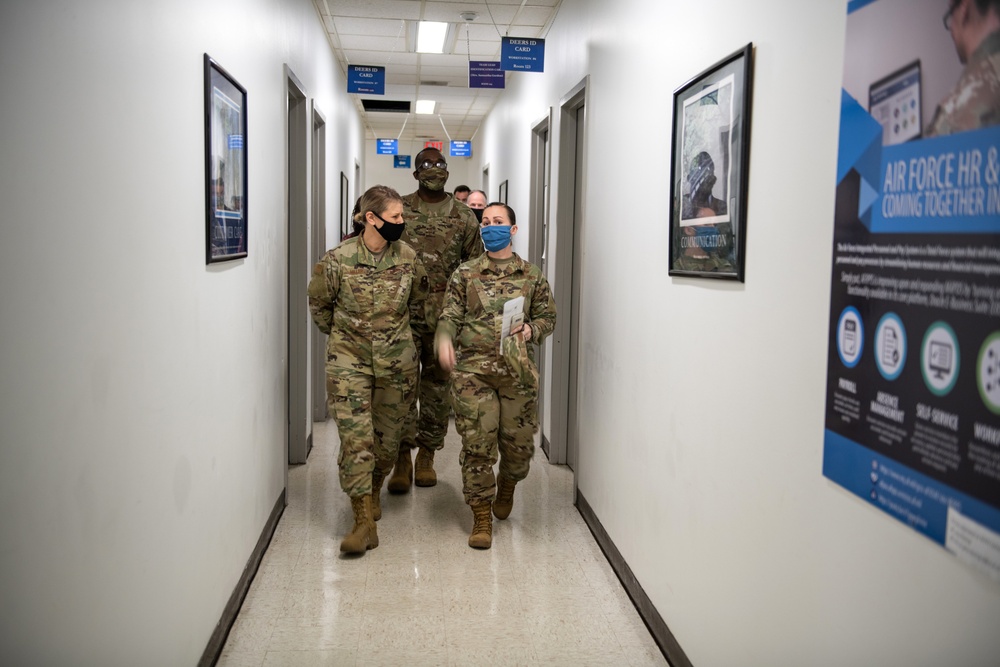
143,414
701,402
379,169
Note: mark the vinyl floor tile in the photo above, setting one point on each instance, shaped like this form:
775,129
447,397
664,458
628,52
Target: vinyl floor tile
542,595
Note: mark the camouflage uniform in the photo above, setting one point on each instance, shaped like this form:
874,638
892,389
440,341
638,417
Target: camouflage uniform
495,407
371,367
444,235
975,101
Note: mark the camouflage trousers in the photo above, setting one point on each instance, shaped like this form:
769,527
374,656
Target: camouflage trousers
369,412
427,423
495,415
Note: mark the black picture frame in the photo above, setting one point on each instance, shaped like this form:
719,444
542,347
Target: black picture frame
346,224
226,184
503,192
710,154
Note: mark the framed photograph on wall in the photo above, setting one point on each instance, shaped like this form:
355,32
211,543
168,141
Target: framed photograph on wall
709,169
503,192
225,165
346,224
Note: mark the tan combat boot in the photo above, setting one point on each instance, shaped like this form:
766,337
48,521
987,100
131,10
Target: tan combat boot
364,535
423,468
377,477
482,527
504,501
402,475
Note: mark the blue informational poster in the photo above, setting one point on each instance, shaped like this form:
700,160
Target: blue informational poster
913,383
461,149
367,79
486,74
401,162
387,146
520,54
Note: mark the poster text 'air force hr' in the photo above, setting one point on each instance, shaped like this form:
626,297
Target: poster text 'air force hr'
913,385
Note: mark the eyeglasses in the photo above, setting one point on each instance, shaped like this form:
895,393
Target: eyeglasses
946,19
427,164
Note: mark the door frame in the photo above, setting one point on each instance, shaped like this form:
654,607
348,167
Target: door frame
566,260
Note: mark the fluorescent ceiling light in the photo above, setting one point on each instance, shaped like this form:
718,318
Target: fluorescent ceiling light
425,106
431,36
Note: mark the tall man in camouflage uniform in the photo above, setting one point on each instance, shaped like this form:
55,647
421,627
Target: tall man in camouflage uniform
495,381
975,101
361,295
445,233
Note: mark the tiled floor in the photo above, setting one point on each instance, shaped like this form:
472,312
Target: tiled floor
543,595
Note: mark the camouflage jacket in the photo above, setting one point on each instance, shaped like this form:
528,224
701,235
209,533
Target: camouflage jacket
473,310
975,101
444,235
365,306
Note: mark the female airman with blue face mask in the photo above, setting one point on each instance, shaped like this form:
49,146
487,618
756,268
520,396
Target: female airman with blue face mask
496,308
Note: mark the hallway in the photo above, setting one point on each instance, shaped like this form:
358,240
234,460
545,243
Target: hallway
543,595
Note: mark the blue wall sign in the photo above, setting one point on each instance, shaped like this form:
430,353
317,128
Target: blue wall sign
388,146
461,149
368,79
401,162
486,74
519,54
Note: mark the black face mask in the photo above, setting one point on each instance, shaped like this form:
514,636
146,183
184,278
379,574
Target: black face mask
390,231
479,214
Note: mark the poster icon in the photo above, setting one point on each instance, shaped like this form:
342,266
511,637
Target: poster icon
988,372
850,337
939,358
890,346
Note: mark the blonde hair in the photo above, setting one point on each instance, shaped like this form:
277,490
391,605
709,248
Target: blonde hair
376,199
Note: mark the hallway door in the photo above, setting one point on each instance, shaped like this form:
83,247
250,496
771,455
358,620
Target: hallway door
537,245
567,273
299,423
318,347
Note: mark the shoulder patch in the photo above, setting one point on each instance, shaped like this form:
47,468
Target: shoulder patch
318,269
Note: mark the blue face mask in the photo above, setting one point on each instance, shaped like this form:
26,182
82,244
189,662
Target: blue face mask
496,237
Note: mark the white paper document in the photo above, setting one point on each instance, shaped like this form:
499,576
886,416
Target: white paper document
513,317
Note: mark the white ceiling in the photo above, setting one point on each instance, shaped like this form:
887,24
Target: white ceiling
380,32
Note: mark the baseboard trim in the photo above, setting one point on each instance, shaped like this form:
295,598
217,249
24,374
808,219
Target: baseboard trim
545,445
665,639
218,640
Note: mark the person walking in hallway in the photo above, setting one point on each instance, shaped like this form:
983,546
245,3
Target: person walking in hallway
477,202
362,294
444,232
495,381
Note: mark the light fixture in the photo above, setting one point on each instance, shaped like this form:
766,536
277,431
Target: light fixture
425,106
431,36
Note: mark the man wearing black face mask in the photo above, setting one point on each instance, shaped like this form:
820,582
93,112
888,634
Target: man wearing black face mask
445,233
477,202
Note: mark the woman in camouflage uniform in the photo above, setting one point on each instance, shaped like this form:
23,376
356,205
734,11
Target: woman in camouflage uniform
361,294
495,382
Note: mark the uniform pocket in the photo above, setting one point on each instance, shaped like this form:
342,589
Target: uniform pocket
356,292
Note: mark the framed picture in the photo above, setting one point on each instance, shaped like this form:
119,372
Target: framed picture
709,169
503,192
225,165
346,224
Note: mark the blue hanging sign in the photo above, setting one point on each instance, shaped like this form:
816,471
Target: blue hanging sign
461,149
388,146
520,54
369,79
401,162
486,74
